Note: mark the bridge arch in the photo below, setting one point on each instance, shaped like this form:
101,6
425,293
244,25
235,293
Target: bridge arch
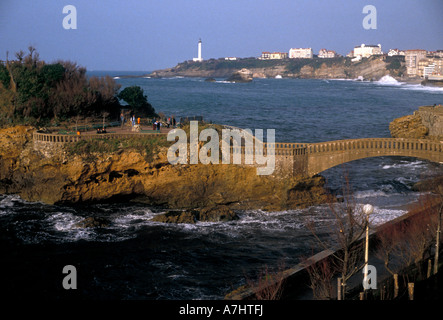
326,155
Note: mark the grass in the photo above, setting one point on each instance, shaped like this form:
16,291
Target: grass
144,145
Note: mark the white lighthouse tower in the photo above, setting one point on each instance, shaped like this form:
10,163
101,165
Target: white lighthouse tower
199,57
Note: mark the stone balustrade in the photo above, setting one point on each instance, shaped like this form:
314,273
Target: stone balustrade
306,159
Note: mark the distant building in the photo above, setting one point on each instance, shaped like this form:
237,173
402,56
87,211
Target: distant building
273,55
430,66
231,58
323,53
265,55
302,53
279,55
365,51
438,53
412,59
395,52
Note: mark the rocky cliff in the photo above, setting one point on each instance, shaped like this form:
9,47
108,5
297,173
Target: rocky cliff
372,68
49,174
426,122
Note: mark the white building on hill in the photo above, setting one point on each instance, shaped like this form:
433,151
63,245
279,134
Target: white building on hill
367,50
323,53
303,53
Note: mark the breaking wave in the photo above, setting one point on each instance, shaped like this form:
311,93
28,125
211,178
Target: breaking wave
388,80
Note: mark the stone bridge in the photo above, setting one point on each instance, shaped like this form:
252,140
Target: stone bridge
304,159
311,159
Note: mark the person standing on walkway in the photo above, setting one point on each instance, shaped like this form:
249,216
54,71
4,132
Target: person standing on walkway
122,119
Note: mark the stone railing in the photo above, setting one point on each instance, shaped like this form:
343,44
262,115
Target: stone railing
66,138
376,144
279,149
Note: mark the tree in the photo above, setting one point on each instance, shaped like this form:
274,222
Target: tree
135,98
345,231
34,90
5,78
321,274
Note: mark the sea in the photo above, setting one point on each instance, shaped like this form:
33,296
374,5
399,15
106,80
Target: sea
134,258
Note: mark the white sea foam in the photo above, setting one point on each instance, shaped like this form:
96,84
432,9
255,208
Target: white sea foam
419,87
381,216
223,81
134,218
405,164
370,194
63,221
388,80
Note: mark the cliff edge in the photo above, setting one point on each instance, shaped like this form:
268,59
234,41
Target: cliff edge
372,68
426,122
46,172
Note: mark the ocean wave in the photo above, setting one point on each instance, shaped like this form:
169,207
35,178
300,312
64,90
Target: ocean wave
7,201
140,217
403,164
223,81
370,194
388,80
419,87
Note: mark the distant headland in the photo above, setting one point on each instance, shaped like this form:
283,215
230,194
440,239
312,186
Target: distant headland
371,68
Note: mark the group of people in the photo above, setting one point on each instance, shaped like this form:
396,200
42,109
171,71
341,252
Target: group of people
133,120
171,122
156,123
101,130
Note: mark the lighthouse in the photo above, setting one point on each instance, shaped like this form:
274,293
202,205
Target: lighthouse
199,57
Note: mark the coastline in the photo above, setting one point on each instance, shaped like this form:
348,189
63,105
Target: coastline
372,68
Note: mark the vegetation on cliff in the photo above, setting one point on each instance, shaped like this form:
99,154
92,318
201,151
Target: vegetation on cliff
35,92
145,145
341,67
135,97
103,169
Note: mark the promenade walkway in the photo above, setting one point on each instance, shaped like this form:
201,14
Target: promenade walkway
292,159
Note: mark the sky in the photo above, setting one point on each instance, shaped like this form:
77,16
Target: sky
146,35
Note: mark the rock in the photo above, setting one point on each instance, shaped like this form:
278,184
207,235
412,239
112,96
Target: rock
210,80
241,76
409,126
92,222
59,178
211,214
428,185
426,122
215,214
188,216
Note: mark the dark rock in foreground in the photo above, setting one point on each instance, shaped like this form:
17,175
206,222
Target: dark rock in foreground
214,214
